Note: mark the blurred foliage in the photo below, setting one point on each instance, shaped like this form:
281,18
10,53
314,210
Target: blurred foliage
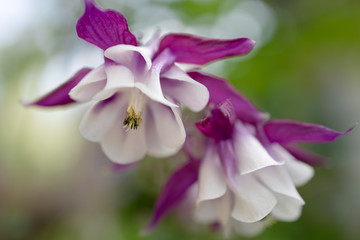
308,71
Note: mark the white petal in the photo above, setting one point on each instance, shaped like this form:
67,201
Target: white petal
130,56
277,179
279,153
289,202
150,86
215,210
222,207
205,213
118,77
250,153
211,177
124,147
146,80
287,208
300,172
168,125
156,147
101,116
184,89
248,229
90,85
253,201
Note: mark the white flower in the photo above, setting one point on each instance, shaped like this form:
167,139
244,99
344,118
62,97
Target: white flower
262,190
136,99
139,88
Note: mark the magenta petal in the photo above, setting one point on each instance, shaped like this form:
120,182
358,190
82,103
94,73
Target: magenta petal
220,124
306,156
60,95
198,50
174,190
287,131
103,28
220,90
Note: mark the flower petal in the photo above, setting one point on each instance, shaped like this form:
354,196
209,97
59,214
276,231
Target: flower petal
220,124
151,88
287,209
156,145
289,202
136,58
103,28
123,146
222,208
287,131
228,161
101,117
205,212
250,153
215,210
220,90
198,50
147,74
150,84
305,156
174,190
168,124
90,85
60,95
277,179
300,172
118,77
212,183
248,229
180,86
253,200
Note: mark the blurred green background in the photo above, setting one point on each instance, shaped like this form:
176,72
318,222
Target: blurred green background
56,185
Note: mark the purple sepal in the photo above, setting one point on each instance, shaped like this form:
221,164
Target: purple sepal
306,156
287,131
103,28
220,90
220,124
60,95
198,50
174,190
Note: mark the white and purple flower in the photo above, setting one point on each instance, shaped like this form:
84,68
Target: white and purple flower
138,88
247,176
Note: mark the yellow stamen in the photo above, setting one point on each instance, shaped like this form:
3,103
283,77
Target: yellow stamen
132,120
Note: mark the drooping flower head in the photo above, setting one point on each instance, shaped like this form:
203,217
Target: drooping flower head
137,92
246,177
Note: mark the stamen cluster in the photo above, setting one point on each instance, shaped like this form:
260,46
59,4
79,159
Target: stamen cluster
132,120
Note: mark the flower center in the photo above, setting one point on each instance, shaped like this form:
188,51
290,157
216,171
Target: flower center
133,113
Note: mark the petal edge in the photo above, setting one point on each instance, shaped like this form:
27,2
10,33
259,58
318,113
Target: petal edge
60,95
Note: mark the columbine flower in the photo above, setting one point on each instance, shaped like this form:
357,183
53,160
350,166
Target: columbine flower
138,90
246,177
